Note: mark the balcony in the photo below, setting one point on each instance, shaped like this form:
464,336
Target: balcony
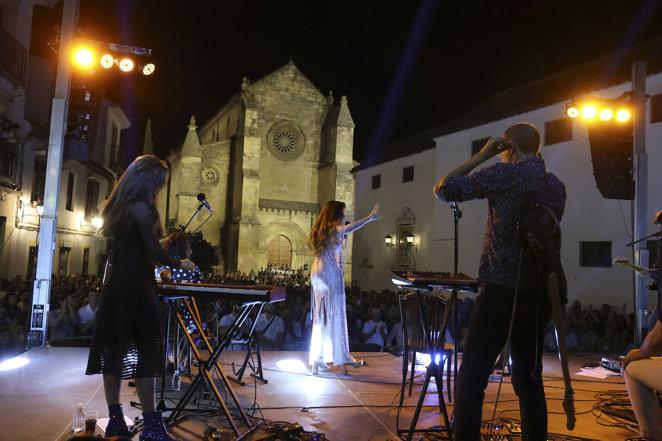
13,58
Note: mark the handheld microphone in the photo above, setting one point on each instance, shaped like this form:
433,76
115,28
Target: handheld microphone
203,201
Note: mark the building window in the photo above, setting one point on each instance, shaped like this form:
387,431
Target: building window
595,254
559,130
86,261
101,264
408,174
63,262
656,108
478,144
92,199
38,179
376,182
279,253
32,262
403,257
69,205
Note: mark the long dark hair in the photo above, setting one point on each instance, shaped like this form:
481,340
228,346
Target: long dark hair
140,182
328,220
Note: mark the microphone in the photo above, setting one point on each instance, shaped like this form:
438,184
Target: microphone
203,201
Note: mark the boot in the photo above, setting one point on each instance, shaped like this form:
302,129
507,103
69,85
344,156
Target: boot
154,429
116,425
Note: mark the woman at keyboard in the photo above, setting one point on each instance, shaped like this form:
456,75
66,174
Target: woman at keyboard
329,342
127,340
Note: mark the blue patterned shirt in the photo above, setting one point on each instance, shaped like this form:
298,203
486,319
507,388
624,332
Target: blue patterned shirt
503,186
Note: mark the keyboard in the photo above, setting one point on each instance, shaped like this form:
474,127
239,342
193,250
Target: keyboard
435,279
256,293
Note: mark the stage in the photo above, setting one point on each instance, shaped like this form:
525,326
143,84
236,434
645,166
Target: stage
37,400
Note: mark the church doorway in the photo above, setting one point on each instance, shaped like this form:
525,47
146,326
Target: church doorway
280,252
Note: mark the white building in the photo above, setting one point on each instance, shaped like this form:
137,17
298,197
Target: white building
595,229
25,102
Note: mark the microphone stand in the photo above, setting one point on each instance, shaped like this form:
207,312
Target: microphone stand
161,405
457,215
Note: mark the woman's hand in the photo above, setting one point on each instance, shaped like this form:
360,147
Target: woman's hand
633,355
187,265
374,214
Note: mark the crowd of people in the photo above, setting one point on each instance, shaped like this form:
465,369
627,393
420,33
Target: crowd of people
373,318
73,305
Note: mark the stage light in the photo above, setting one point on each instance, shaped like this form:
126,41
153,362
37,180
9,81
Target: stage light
606,114
126,64
149,69
83,57
97,222
14,363
292,365
572,112
589,111
623,115
107,61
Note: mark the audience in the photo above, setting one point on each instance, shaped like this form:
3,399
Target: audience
372,317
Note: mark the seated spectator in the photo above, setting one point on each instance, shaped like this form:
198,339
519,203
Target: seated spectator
87,313
6,346
395,338
270,329
375,330
643,380
62,320
293,332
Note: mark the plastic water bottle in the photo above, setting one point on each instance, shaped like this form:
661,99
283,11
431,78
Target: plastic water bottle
78,424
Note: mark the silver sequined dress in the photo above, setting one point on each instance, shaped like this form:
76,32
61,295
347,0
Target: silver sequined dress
329,334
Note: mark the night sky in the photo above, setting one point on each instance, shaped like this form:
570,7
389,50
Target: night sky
473,50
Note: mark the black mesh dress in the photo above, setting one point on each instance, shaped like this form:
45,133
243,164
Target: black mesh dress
127,336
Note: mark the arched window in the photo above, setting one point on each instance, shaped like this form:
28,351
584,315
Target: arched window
280,251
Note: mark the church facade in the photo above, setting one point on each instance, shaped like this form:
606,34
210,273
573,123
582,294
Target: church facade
269,159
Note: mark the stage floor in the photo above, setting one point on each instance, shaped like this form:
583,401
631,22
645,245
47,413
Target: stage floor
37,400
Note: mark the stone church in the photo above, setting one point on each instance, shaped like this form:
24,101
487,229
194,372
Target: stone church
271,157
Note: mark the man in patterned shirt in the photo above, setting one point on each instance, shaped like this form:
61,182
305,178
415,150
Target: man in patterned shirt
501,272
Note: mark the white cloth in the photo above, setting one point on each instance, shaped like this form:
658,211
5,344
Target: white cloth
377,337
86,314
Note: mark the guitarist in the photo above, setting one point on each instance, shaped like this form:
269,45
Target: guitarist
503,185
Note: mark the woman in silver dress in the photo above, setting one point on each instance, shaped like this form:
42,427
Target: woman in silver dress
329,342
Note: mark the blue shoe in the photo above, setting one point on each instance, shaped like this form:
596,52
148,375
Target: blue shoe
116,425
154,429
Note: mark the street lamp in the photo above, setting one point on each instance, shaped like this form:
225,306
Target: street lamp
97,222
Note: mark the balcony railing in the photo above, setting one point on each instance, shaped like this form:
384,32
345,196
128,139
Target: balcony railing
13,58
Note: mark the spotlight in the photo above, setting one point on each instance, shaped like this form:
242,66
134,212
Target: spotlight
83,57
572,112
13,363
623,115
606,114
149,69
589,111
107,61
126,64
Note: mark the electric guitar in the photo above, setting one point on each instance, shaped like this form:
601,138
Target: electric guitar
624,261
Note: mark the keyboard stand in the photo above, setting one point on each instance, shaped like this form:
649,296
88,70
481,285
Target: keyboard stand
210,366
252,347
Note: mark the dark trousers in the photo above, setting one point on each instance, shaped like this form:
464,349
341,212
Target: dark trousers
486,337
